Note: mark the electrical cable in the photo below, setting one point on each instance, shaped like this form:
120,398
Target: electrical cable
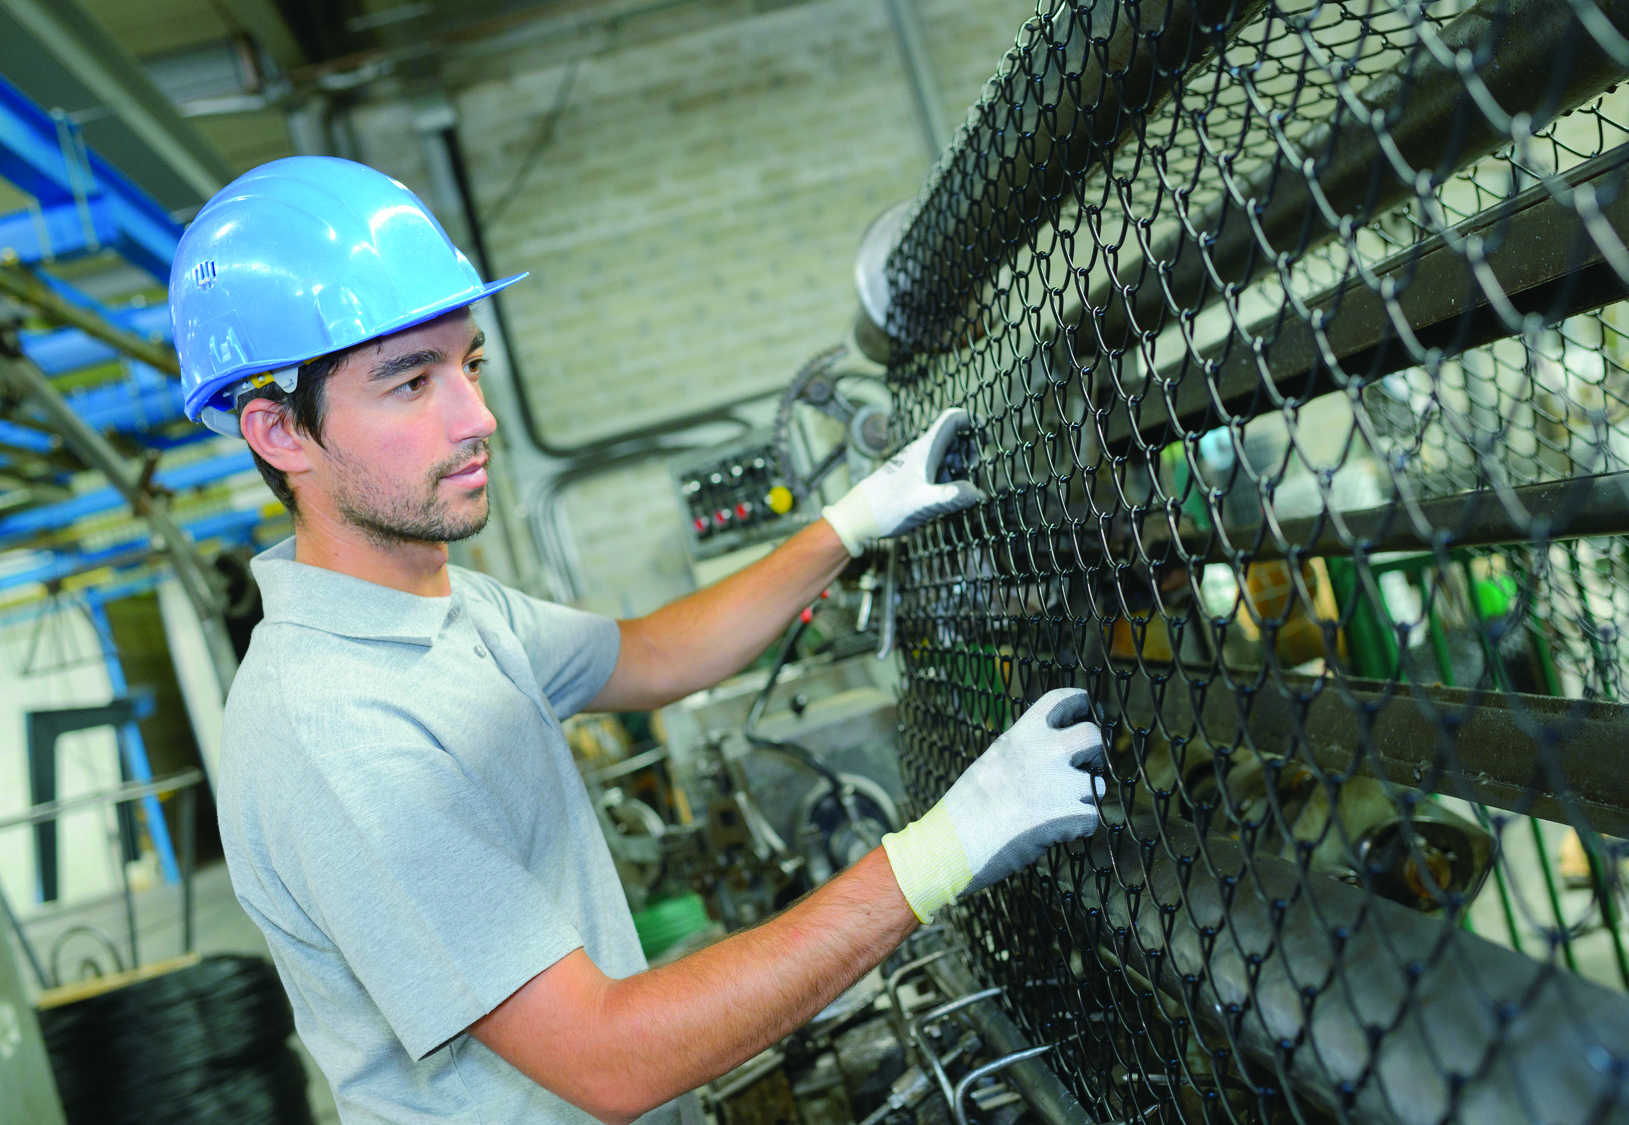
204,1044
545,135
802,754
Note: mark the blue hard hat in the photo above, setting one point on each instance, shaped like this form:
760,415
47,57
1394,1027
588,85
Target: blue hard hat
299,258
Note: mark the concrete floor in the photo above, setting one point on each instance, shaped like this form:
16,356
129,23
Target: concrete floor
222,927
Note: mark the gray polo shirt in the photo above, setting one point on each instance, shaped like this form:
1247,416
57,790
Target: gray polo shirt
402,818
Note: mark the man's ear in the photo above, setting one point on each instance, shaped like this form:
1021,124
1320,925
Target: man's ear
270,432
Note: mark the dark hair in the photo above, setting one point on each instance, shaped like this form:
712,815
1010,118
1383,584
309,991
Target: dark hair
304,408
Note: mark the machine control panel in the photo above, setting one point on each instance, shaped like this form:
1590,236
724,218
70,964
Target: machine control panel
734,497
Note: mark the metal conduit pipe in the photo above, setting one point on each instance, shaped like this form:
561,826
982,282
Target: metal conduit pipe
1374,1011
1032,1078
1423,114
27,381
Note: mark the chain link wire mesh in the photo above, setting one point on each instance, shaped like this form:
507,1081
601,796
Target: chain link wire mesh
1294,341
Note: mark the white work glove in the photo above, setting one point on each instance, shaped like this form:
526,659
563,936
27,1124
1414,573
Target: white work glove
902,495
1024,794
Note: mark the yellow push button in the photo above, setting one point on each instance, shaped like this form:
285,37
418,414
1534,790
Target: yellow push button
780,500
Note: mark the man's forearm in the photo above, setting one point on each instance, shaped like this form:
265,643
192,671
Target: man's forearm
659,1033
699,640
713,1010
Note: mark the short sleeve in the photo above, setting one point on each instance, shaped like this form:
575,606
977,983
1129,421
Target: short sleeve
407,866
572,651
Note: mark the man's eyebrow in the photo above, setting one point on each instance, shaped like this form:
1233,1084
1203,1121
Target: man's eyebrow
477,343
398,365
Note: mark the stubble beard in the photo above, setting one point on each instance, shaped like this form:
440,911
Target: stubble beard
391,515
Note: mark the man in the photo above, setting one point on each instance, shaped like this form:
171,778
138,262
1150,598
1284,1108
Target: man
400,812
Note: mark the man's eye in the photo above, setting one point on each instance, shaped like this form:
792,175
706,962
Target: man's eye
476,365
415,384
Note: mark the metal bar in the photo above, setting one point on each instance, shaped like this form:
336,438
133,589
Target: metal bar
959,1097
1553,512
631,765
1558,759
1095,83
93,448
925,1051
1033,1079
1537,251
913,53
29,289
1243,942
1356,170
53,810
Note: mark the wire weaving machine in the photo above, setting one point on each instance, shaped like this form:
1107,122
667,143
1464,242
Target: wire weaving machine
1295,343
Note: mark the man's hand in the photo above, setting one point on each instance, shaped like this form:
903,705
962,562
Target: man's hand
903,494
1024,794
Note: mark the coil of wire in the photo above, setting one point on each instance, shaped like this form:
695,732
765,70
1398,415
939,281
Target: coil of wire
206,1043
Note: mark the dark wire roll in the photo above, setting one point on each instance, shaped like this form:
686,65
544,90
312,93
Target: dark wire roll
204,1044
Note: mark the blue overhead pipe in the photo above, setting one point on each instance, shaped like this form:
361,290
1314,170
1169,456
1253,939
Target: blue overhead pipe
50,517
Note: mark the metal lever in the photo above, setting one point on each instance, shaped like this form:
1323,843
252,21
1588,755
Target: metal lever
959,1097
933,1016
910,1087
891,987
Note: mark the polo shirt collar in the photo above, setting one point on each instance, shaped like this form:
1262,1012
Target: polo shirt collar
317,598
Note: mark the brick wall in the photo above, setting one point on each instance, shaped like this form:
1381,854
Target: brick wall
692,225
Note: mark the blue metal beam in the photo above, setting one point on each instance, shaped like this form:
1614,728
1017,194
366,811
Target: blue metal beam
235,526
51,517
132,747
21,437
145,400
68,349
44,158
136,405
60,232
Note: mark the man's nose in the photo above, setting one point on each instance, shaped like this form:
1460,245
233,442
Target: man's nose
470,419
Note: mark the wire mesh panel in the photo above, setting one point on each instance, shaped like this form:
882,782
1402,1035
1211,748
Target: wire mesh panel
1294,341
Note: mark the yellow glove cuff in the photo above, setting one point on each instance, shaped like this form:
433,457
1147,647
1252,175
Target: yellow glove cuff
929,863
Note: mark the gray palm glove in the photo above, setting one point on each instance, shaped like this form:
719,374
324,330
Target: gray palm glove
903,494
1024,794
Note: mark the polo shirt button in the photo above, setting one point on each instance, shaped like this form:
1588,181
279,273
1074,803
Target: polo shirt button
480,650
